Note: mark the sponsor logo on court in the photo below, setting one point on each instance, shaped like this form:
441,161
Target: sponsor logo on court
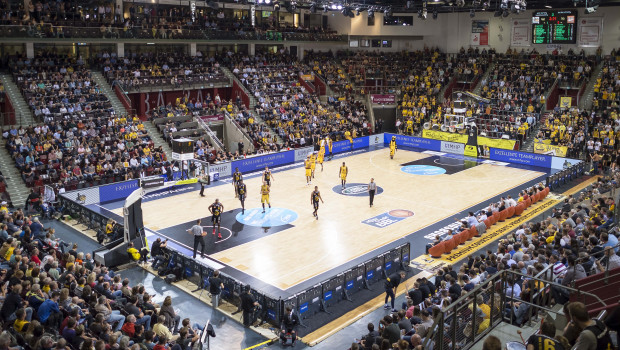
271,218
428,170
389,218
355,189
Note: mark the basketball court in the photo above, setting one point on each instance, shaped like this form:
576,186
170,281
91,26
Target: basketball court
287,249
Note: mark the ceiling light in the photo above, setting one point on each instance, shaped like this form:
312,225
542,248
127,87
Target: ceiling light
590,10
548,6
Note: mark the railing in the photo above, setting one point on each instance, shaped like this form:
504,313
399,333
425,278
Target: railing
460,325
214,139
122,95
48,31
245,134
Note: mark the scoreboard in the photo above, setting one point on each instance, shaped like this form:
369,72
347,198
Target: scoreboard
554,27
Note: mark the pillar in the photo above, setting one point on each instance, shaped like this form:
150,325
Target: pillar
192,49
120,49
30,50
252,49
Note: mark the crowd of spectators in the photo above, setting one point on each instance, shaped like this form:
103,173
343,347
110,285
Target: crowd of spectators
55,297
325,65
294,113
57,88
136,71
574,242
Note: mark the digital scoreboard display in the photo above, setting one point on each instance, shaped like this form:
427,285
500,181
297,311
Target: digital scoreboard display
554,27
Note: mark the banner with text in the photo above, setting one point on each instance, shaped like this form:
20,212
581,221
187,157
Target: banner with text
302,153
412,141
345,145
479,33
383,99
212,118
539,160
590,31
462,138
117,191
546,148
520,35
260,162
453,147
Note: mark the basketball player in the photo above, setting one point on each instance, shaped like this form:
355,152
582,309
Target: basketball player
241,191
237,176
330,146
392,147
267,176
343,175
315,196
308,171
320,157
216,210
312,163
264,191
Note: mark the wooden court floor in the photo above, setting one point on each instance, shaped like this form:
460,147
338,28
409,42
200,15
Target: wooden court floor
312,247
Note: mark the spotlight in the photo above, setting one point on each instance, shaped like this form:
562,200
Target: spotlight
325,9
435,14
590,10
472,13
276,5
371,13
267,2
420,14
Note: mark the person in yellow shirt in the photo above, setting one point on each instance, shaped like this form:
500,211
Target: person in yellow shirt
308,168
312,163
264,191
330,146
320,157
135,254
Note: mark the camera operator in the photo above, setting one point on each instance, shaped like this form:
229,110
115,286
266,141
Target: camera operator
157,252
248,306
289,324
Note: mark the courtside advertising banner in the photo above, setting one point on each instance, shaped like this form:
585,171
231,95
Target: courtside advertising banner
412,141
302,153
117,191
539,160
452,147
224,169
345,145
258,163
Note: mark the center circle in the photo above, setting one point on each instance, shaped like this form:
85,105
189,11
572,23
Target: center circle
423,170
355,189
272,217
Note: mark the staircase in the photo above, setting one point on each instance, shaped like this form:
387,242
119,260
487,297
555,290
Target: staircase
585,101
14,183
23,113
252,105
158,139
109,92
478,89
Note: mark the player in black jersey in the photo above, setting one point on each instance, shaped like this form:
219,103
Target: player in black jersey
267,176
216,210
236,177
314,199
242,191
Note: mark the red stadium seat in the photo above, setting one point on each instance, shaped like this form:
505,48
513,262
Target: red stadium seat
547,190
528,202
453,243
535,198
488,223
437,250
511,212
496,217
503,215
463,236
473,232
520,208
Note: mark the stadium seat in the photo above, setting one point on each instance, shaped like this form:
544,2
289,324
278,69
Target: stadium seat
503,215
535,198
437,250
496,217
520,208
511,212
488,223
464,236
547,190
473,232
453,243
528,202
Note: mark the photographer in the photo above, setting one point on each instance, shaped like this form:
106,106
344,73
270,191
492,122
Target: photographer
289,324
157,252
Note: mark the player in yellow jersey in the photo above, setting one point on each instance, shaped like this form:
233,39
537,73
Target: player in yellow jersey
320,157
308,170
392,147
264,198
343,175
312,162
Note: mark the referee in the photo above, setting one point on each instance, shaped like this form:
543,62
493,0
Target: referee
199,238
372,189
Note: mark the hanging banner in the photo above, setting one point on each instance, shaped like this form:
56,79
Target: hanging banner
520,35
479,33
590,31
383,99
566,102
459,138
545,147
